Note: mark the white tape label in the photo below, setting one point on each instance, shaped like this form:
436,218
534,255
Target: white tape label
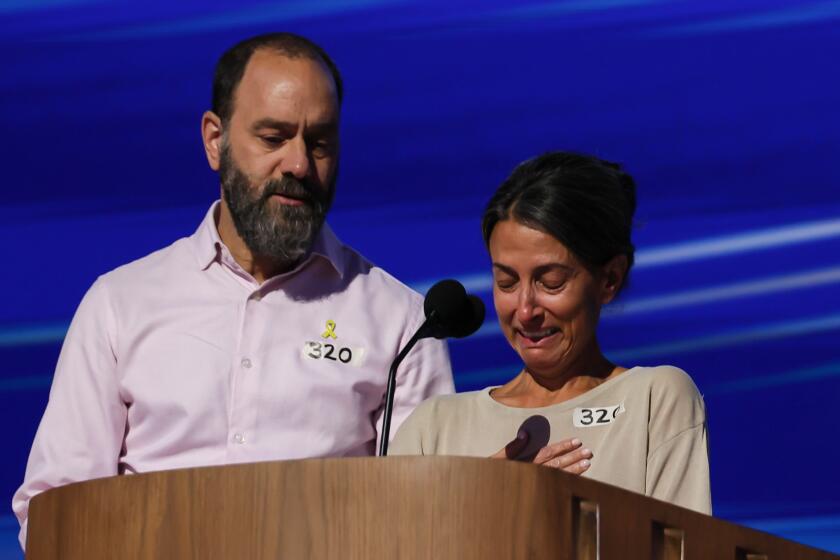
597,416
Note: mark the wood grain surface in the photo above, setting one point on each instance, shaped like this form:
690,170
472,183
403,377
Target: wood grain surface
397,507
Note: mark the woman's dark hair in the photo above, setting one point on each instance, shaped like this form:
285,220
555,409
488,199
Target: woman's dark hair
584,202
231,65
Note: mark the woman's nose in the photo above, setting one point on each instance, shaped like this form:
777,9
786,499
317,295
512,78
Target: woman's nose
527,308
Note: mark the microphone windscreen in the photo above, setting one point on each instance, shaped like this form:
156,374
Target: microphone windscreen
446,299
470,319
450,312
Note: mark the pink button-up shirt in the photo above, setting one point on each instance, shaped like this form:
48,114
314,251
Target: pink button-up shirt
182,359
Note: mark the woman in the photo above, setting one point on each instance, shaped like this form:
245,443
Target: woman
558,233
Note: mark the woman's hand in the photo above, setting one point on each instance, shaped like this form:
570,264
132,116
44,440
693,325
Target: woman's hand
567,455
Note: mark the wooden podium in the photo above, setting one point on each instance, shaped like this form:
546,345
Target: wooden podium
399,507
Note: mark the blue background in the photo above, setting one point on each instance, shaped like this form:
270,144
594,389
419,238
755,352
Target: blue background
725,112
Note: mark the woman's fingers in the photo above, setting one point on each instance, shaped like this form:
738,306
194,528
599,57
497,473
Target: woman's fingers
569,459
553,450
578,468
567,455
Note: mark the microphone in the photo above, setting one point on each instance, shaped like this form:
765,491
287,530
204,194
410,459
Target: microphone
450,312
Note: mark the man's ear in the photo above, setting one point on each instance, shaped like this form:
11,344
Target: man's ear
211,135
613,275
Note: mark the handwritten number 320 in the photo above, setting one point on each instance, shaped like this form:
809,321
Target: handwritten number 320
327,351
597,416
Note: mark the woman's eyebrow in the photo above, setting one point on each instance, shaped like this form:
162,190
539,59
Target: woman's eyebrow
504,268
542,269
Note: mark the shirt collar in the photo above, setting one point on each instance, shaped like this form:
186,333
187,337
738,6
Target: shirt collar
330,247
206,242
207,245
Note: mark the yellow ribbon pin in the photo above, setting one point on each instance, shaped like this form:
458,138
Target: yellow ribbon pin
330,332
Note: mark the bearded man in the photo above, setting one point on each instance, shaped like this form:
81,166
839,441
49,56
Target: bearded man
259,337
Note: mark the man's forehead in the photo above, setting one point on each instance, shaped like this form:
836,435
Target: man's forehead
286,88
270,72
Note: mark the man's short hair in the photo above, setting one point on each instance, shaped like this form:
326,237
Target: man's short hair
231,65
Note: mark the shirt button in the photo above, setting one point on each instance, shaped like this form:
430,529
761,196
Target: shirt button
239,438
246,363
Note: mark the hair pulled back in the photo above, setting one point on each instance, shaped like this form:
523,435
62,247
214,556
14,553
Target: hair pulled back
584,202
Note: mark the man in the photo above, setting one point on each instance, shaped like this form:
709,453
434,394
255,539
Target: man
259,337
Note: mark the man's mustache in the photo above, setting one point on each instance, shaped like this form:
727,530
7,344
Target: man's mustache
291,187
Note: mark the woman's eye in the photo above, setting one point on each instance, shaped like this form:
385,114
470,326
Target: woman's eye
505,285
553,285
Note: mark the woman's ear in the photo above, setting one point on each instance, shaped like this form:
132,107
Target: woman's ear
211,136
613,275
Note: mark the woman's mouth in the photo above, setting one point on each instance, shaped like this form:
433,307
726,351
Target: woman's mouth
536,337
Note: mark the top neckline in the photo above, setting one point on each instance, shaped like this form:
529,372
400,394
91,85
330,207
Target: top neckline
484,395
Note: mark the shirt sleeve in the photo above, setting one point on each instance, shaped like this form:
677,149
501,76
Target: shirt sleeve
81,432
678,458
424,373
678,471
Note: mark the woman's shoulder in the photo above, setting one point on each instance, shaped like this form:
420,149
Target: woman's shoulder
443,406
664,380
673,396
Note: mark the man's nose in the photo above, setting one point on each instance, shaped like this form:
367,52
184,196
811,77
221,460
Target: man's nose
296,159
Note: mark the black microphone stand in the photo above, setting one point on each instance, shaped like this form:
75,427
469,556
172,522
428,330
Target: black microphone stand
422,332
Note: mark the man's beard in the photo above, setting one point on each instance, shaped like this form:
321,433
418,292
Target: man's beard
278,231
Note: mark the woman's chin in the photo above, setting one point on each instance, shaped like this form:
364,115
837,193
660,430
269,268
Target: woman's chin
538,359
